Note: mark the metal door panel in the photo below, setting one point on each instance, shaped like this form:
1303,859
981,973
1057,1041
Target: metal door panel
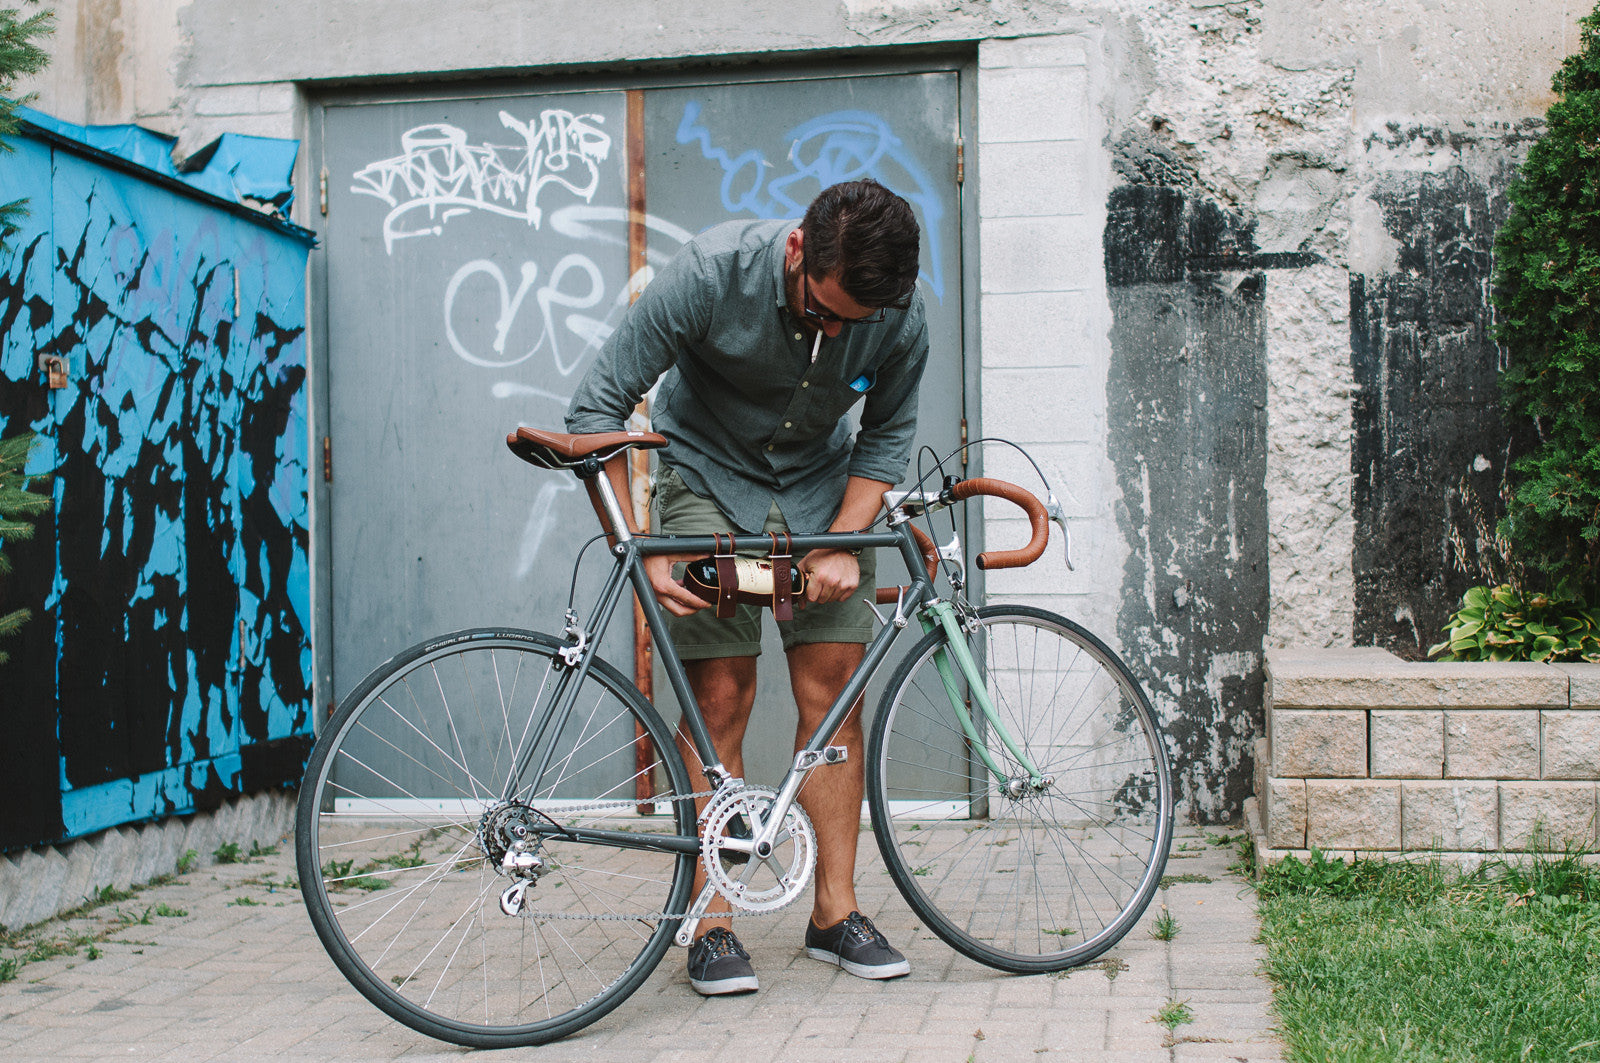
765,149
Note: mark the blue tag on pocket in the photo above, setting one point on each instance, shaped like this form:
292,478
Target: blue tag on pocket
863,382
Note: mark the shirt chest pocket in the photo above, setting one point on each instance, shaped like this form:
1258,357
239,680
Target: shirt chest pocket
828,400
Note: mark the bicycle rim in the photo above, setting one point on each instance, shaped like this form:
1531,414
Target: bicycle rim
404,823
1021,877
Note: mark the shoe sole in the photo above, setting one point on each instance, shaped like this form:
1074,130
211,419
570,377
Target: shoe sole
745,983
860,970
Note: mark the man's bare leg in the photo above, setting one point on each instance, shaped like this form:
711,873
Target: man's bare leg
725,687
832,794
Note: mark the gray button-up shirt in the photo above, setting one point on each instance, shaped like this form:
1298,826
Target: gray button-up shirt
751,418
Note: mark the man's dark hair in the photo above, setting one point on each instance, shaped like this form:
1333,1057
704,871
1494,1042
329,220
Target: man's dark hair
867,236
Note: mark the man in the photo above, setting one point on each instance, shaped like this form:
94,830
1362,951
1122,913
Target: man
769,332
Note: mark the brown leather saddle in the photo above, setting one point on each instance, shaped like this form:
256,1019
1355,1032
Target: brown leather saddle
560,450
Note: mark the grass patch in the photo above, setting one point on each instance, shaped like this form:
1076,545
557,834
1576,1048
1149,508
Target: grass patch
1175,1013
227,853
1174,880
188,861
1402,961
1166,927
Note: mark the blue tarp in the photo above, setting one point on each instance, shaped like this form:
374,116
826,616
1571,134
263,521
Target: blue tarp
242,169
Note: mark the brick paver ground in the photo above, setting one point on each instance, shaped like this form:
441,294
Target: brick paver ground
222,964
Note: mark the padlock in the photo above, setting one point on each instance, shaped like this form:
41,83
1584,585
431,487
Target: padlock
56,372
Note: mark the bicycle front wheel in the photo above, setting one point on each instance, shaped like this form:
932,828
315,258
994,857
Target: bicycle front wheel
1018,872
465,766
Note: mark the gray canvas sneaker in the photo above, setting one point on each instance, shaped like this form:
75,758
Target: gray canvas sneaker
857,946
719,965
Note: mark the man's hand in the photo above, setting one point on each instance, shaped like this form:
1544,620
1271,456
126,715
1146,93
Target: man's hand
673,596
831,575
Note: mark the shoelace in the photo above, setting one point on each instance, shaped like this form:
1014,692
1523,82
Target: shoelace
860,927
719,943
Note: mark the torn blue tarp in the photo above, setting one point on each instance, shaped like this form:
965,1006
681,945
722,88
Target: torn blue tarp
249,170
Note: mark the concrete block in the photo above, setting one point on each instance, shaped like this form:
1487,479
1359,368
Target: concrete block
1491,744
1053,50
1035,178
1352,814
79,881
1450,816
1367,678
1571,743
276,96
1558,813
1583,685
1027,329
1312,744
1033,103
1406,744
1040,254
1283,813
1062,404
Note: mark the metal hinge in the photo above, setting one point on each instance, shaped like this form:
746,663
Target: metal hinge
327,459
963,444
322,191
961,163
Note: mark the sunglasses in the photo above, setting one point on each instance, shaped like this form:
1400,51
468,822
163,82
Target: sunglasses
824,317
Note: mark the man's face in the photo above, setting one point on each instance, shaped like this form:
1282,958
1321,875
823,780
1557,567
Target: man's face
819,302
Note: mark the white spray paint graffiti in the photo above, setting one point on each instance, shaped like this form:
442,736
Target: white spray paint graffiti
438,172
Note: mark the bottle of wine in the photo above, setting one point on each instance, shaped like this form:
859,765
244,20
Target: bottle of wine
754,578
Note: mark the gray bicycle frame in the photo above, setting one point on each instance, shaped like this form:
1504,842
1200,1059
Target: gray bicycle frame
629,551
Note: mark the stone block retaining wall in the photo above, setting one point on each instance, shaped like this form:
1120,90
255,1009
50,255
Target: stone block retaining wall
40,883
1365,752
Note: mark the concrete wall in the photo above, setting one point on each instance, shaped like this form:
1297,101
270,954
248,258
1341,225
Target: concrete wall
1207,228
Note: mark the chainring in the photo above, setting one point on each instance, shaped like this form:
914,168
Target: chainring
749,882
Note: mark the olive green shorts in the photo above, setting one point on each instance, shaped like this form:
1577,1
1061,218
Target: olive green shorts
700,635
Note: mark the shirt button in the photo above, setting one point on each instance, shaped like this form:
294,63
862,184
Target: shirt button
805,383
769,446
787,424
798,336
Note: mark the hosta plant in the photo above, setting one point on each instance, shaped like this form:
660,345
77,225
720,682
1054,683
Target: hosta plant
1505,624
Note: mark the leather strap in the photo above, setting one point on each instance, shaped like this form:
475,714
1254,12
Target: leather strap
782,591
727,578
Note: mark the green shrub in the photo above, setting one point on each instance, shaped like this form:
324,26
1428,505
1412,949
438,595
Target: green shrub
1547,294
19,505
1505,624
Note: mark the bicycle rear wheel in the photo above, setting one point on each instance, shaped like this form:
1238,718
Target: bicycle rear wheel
421,784
1021,878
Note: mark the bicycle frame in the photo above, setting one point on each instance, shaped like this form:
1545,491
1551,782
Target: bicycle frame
629,552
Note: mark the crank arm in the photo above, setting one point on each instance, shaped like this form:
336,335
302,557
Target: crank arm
697,912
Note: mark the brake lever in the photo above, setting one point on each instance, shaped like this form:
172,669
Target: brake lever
1052,509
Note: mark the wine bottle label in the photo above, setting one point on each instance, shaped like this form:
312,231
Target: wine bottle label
754,574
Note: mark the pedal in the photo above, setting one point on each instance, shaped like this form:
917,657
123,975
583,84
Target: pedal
808,759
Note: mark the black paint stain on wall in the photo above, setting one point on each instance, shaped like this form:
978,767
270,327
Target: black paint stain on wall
30,786
1426,416
1186,399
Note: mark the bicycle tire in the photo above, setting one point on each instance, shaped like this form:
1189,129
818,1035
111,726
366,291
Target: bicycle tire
407,787
1042,881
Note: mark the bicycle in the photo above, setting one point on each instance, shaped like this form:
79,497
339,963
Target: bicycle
496,838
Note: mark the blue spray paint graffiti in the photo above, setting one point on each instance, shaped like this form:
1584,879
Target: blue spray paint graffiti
168,663
834,147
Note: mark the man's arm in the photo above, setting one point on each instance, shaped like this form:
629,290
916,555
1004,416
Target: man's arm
833,575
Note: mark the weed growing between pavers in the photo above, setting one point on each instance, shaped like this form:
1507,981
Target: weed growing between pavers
1405,961
1166,927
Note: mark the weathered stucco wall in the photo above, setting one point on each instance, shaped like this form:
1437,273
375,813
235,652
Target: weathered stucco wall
1232,258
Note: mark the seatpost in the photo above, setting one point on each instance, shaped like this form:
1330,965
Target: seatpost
594,471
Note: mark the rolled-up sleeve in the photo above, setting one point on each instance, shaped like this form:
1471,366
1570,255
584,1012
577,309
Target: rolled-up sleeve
888,430
670,313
